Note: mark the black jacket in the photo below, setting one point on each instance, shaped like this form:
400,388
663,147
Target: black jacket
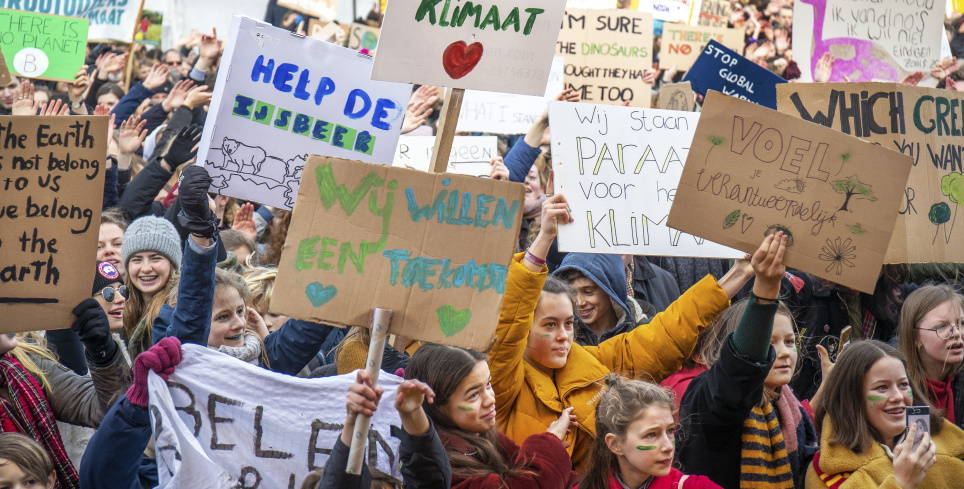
653,284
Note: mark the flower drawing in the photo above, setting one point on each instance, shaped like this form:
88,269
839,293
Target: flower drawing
838,253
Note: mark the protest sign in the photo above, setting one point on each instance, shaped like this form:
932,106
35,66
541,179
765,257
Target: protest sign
682,43
619,167
49,47
715,13
291,96
439,266
752,172
884,40
109,19
500,45
508,113
923,123
677,96
149,26
471,155
322,9
185,17
250,427
51,190
332,32
607,54
722,69
361,36
667,10
598,4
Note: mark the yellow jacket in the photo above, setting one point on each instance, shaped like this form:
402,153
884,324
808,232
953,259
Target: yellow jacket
528,401
845,469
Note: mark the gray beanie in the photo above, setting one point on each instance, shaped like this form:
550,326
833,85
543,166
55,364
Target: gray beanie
151,233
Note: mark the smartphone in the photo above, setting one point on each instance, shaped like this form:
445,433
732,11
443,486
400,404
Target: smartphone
920,416
844,338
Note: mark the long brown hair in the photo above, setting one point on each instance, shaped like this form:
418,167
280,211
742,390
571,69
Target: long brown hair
275,236
444,368
138,308
26,453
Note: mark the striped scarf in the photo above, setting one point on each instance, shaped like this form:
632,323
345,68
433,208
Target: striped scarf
764,462
29,413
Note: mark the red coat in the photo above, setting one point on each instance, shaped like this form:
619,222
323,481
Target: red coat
545,455
671,481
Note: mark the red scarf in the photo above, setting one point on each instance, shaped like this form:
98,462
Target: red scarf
943,397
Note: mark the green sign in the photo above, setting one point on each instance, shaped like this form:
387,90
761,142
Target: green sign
50,47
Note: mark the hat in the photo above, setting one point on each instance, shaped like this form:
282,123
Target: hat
106,274
151,233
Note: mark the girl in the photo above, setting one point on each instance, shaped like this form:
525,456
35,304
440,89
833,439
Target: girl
740,424
635,440
862,418
24,464
464,413
537,371
929,336
110,239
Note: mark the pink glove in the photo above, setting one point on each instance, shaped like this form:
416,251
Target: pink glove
161,358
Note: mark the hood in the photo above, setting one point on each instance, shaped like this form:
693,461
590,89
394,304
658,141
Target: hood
607,271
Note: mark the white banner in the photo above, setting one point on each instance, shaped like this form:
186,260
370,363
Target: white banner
223,423
619,168
471,155
182,17
109,19
508,113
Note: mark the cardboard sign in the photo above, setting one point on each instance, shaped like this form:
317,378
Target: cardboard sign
257,425
666,10
507,113
923,123
52,180
49,47
109,19
677,96
471,155
682,43
287,97
499,45
432,247
607,54
332,32
361,36
752,172
715,13
722,69
884,40
323,9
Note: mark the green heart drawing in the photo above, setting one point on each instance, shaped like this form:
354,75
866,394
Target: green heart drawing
452,321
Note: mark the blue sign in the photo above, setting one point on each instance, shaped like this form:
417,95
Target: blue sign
724,70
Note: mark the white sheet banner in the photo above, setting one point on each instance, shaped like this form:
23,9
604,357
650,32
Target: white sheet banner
508,113
109,19
223,423
471,155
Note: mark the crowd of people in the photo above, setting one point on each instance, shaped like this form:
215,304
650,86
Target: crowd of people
606,372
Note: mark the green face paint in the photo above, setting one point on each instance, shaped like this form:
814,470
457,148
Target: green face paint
547,335
645,448
465,408
910,393
876,398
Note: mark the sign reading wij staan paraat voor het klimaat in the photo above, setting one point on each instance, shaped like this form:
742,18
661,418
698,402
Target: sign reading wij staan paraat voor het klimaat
285,97
109,19
724,70
50,47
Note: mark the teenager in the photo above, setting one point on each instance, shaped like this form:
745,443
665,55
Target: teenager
25,464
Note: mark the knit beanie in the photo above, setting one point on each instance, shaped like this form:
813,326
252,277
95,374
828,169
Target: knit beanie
151,233
106,274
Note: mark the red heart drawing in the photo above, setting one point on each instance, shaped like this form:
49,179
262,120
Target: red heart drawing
459,59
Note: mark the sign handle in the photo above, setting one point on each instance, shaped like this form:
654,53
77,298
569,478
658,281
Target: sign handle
447,121
379,331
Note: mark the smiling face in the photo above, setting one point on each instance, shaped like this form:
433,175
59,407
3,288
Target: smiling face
114,310
110,240
784,341
939,355
13,477
472,406
887,394
228,319
551,335
149,272
647,448
533,185
594,305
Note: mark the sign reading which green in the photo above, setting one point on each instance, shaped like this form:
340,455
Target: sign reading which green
50,47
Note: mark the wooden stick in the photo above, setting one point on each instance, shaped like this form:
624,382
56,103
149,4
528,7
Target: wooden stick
446,130
380,322
130,49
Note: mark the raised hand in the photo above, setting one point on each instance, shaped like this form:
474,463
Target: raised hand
78,89
177,96
824,68
184,146
498,171
210,46
55,107
244,222
768,266
24,103
109,63
132,135
198,96
157,76
913,79
419,108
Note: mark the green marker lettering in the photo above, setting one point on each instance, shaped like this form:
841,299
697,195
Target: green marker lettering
645,448
465,408
876,398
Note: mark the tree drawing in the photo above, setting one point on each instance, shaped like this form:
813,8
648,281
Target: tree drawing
952,185
715,141
851,187
939,214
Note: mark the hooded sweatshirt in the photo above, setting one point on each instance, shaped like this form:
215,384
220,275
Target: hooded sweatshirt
609,274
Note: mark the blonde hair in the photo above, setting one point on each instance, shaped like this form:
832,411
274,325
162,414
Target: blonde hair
260,281
33,343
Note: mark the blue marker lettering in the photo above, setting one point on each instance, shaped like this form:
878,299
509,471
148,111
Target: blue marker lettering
381,112
394,256
481,208
325,87
285,73
353,96
300,92
260,69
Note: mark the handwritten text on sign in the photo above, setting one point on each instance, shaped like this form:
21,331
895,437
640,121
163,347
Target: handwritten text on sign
683,43
51,189
471,155
619,168
507,113
109,19
752,172
43,46
433,248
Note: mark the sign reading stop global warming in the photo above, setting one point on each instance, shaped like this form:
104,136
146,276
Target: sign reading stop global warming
752,172
682,43
494,45
925,124
607,54
432,247
722,69
619,167
50,47
286,97
109,19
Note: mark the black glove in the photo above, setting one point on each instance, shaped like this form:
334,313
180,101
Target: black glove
192,192
183,147
93,328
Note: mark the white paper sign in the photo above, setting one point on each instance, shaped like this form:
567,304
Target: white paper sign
248,424
285,97
508,113
668,10
619,168
501,45
110,20
471,155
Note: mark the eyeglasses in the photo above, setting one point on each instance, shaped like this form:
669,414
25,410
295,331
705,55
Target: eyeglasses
108,293
945,330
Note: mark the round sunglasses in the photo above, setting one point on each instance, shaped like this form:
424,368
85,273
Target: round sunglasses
108,293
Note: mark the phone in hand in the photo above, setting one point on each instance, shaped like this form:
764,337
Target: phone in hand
844,338
920,416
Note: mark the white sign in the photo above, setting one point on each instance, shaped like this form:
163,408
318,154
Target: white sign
249,424
110,20
471,155
507,113
182,17
502,45
668,10
285,97
619,168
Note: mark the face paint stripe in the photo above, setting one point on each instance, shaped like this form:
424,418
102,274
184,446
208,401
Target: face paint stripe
873,398
465,408
645,448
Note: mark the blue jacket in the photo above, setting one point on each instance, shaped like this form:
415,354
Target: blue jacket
115,455
609,273
519,160
128,105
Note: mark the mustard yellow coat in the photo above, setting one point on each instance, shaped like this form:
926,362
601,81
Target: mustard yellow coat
528,401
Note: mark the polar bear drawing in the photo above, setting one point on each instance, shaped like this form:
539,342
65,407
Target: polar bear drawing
253,160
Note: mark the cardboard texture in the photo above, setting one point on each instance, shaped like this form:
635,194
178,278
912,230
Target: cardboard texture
714,13
470,155
109,19
55,51
922,123
323,9
361,36
498,45
286,97
883,40
752,172
677,96
607,54
433,248
666,10
724,70
508,113
619,168
682,43
52,173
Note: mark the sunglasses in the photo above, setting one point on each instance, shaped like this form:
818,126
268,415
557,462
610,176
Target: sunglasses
108,293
